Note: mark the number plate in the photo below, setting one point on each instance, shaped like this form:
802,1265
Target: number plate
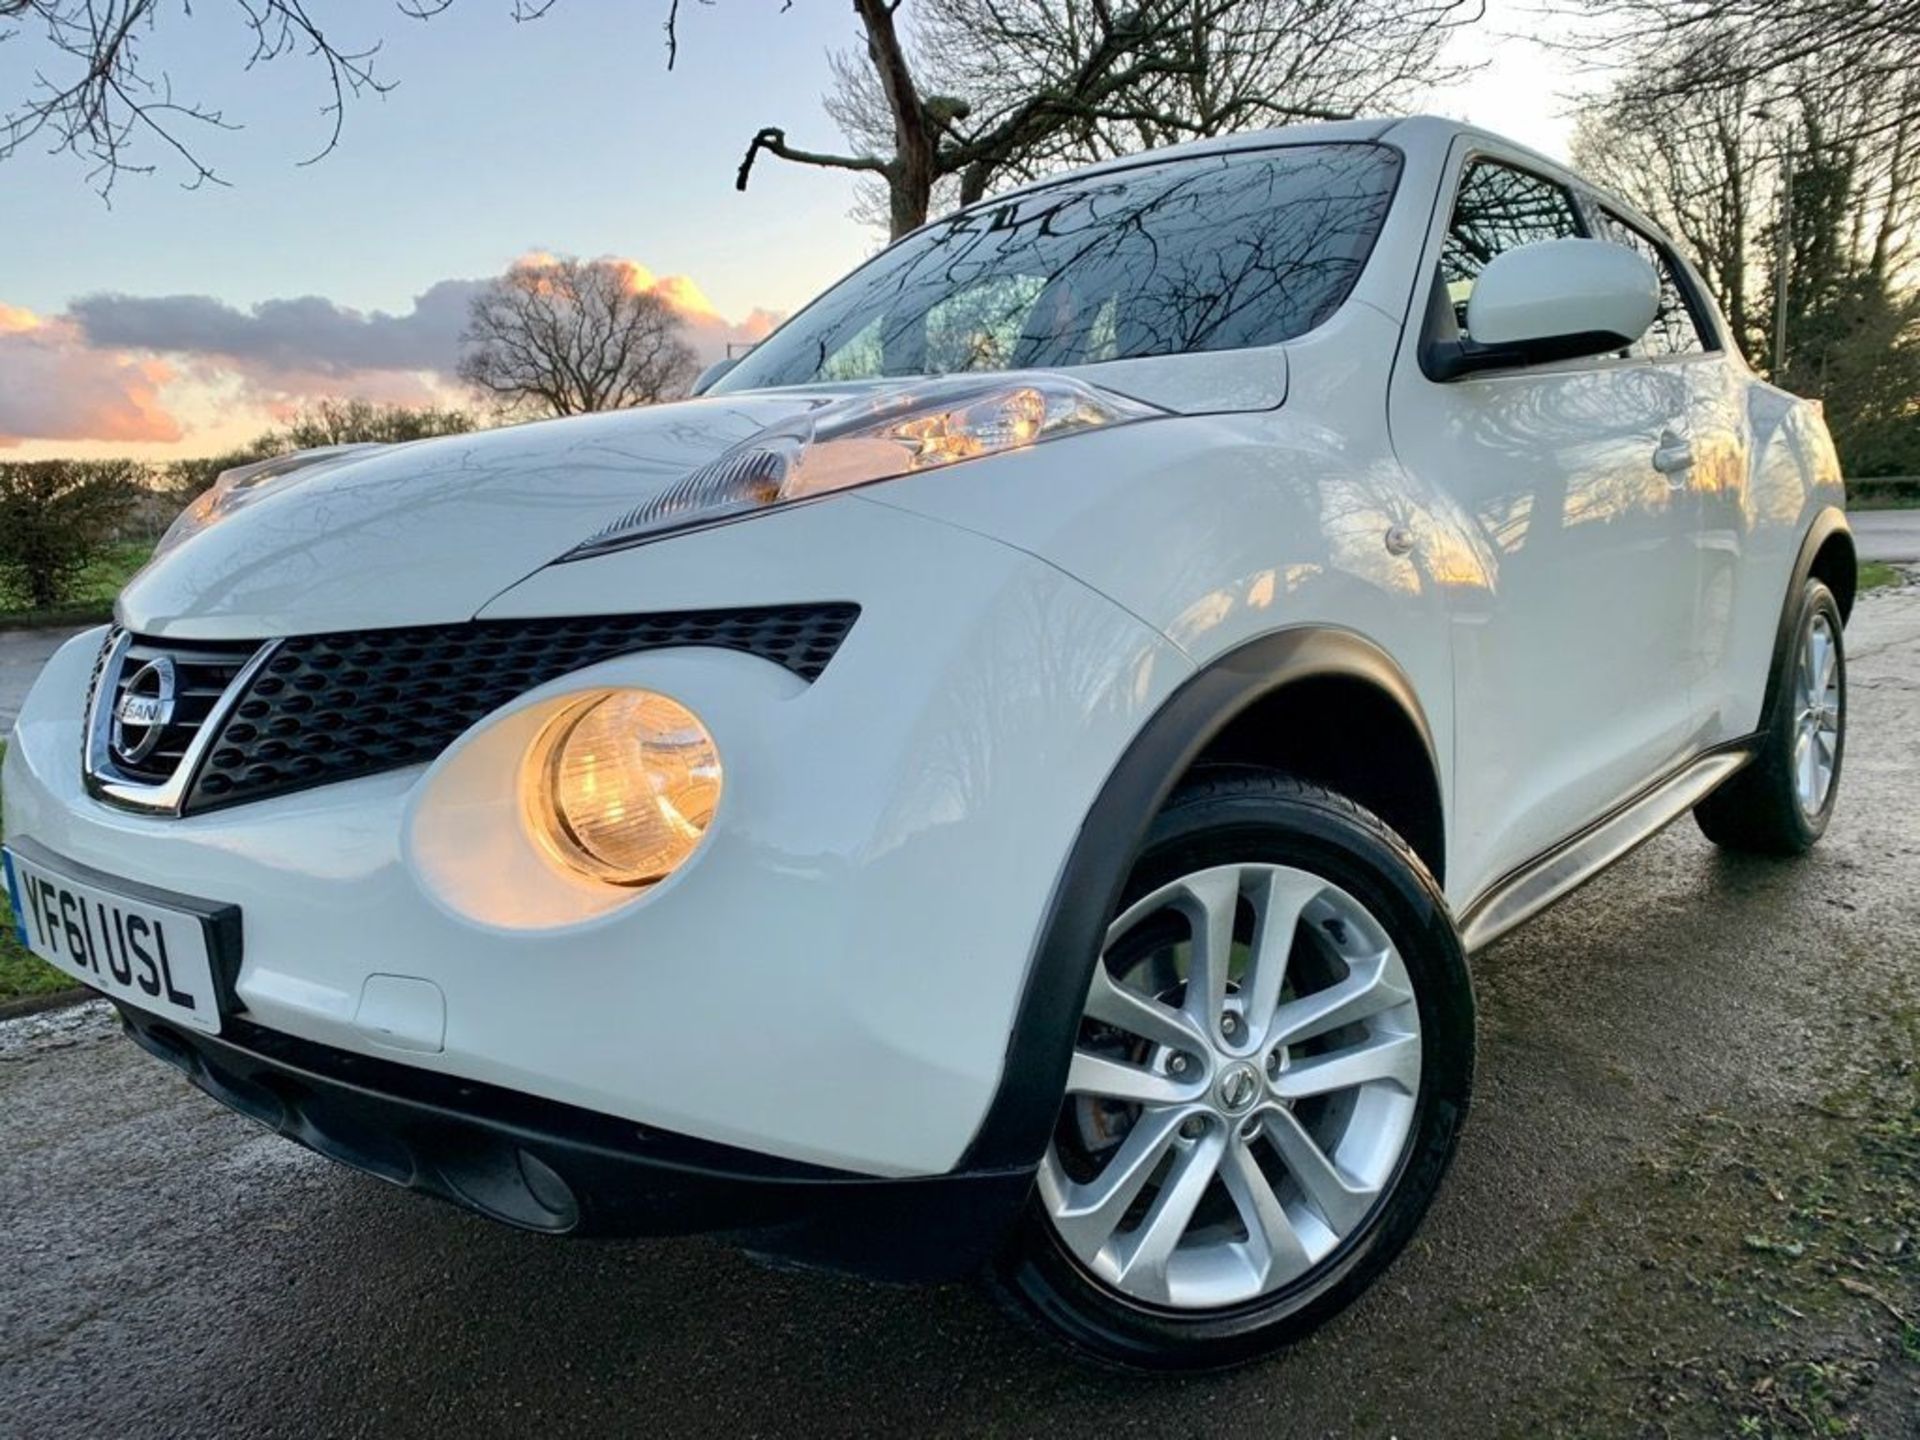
152,949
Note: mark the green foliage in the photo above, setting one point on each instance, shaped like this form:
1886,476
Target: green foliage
21,973
325,422
352,422
56,518
91,596
1853,331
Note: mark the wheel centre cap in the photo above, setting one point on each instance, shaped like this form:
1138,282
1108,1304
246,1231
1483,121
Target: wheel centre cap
1238,1088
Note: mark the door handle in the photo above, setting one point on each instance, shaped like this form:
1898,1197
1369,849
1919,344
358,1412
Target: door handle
1673,456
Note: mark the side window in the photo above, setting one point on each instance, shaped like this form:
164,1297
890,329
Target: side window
1497,208
979,327
1674,330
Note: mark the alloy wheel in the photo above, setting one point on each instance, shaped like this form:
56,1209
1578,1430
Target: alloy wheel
1242,1089
1816,741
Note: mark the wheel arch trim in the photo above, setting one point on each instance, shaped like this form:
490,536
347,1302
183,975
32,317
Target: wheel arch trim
1088,886
1829,524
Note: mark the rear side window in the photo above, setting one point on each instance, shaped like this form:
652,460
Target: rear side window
1675,329
1498,208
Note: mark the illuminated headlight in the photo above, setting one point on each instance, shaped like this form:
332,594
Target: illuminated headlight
867,438
621,786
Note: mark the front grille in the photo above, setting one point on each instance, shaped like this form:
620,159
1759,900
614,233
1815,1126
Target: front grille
325,708
202,671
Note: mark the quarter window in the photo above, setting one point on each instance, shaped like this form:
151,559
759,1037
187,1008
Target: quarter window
1674,330
1497,209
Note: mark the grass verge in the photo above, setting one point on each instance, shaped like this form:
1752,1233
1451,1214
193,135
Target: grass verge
1769,1283
93,593
21,975
1874,574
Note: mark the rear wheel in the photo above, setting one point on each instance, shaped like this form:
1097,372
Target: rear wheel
1269,1076
1780,803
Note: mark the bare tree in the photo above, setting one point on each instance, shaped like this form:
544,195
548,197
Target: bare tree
1682,47
94,96
357,421
1702,166
955,96
1710,165
1798,195
560,336
984,91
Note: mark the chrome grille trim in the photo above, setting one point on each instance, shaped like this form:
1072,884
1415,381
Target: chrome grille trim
162,791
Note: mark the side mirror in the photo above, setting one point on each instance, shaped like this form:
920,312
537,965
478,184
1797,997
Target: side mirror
1552,300
708,377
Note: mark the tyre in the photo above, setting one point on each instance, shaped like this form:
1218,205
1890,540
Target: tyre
1781,802
1267,1084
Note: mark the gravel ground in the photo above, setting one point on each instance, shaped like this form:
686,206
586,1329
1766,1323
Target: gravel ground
1685,1205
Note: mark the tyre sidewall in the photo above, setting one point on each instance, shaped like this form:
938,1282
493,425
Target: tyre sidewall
1327,835
1815,599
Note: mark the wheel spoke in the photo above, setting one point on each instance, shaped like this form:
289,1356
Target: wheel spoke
1145,1253
1266,1220
1366,991
1819,653
1803,768
1090,1212
1278,905
1113,1004
1391,1058
1342,1202
1212,897
1102,1075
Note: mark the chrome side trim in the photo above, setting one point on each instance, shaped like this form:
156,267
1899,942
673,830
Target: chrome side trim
1525,892
105,781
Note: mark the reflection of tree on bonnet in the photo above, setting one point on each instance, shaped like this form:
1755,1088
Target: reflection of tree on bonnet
1247,249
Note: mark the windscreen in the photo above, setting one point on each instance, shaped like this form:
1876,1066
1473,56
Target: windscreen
1210,253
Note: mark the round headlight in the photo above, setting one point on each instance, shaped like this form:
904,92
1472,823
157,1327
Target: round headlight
622,786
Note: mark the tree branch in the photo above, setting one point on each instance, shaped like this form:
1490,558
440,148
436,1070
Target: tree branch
773,140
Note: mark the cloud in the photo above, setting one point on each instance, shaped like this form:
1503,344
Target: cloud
56,385
312,336
96,373
306,336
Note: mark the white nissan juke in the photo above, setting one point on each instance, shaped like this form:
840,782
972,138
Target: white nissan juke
1006,780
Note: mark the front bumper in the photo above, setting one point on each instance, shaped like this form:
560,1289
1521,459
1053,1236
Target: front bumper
542,1166
834,978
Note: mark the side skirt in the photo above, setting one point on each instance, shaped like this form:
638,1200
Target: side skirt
1525,892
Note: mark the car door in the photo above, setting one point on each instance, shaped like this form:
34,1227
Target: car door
1686,337
1572,662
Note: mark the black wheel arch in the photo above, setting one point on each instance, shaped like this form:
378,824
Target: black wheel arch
1088,887
1827,555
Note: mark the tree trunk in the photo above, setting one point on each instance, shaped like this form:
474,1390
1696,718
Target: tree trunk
909,197
911,174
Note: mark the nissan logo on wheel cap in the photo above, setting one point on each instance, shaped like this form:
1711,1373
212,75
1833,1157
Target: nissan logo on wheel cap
143,711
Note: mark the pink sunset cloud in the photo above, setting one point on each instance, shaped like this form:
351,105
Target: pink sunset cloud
193,373
57,385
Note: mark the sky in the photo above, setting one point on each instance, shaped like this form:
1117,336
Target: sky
174,322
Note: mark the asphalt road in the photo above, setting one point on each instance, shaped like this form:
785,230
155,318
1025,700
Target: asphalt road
22,653
167,1269
1889,535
